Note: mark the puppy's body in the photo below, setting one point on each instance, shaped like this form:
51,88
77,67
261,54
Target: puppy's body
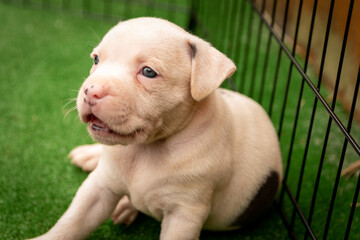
190,156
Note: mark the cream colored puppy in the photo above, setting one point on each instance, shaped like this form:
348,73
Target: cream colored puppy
175,148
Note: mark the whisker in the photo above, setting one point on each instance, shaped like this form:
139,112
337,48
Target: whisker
96,35
70,100
166,129
84,78
69,111
189,104
91,44
74,90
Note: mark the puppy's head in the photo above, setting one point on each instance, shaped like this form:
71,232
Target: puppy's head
148,75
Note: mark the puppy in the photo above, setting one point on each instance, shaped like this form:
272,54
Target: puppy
175,147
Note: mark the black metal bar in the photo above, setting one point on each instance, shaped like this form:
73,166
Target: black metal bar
353,208
319,97
277,71
262,83
285,220
342,54
313,88
297,114
298,209
192,25
288,84
357,189
268,45
297,196
291,63
321,71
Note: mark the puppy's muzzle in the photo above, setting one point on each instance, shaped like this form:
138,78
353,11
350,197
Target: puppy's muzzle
93,94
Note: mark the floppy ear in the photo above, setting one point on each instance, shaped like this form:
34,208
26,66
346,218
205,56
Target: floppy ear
209,68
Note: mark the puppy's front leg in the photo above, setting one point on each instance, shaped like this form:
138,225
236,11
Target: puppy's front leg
184,223
91,206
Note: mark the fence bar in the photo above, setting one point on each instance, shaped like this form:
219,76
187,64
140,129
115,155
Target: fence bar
352,111
311,85
288,84
333,116
298,108
348,20
321,71
268,45
277,70
285,220
298,209
291,65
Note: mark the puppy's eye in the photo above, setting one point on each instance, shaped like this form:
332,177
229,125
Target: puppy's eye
96,59
148,72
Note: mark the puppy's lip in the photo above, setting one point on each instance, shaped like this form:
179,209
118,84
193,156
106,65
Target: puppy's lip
98,127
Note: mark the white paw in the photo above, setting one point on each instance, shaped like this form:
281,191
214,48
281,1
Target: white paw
124,212
86,156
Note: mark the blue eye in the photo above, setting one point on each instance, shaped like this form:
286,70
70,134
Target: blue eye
96,59
148,72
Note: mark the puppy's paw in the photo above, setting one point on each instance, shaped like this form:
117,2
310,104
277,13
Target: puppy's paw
86,156
124,212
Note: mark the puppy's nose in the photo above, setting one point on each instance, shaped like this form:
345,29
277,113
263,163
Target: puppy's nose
93,94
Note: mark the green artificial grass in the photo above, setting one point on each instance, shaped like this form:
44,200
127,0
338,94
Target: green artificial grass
44,59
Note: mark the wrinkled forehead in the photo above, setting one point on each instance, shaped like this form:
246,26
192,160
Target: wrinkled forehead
144,36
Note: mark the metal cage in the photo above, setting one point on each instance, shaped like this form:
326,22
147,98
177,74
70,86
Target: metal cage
300,60
285,52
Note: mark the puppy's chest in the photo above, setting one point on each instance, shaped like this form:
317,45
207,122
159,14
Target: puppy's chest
158,181
150,192
143,175
158,188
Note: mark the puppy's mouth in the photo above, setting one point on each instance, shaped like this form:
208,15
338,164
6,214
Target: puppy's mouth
98,127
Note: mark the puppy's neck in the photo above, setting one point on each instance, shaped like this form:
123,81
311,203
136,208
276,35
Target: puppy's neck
202,117
174,121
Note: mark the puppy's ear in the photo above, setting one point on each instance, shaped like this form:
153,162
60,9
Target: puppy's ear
209,68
